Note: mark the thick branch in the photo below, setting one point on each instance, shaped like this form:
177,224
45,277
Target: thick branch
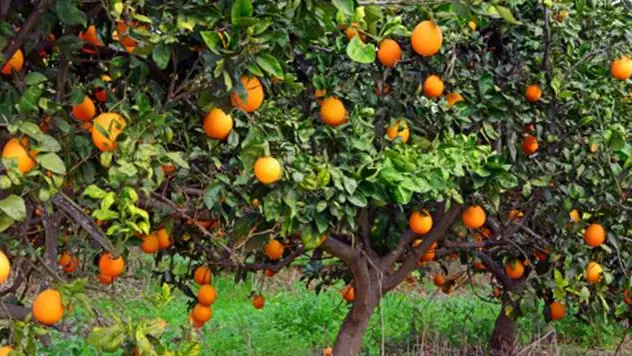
30,23
340,249
437,233
14,312
50,235
69,207
498,272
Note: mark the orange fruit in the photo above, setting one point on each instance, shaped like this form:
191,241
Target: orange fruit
514,269
472,25
575,216
562,15
14,64
433,86
353,31
496,292
68,262
105,279
269,273
163,238
479,266
453,98
429,255
168,168
594,235
110,123
101,94
474,217
124,38
258,301
328,351
203,275
84,111
201,313
348,293
217,125
626,297
557,310
90,36
383,91
533,93
5,267
515,214
529,145
319,94
5,350
267,170
206,294
389,52
47,307
273,249
540,255
112,267
254,95
399,129
621,68
593,272
420,222
14,150
438,280
333,112
150,244
426,38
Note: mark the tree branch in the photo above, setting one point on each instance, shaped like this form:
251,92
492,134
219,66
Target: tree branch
339,249
50,235
499,273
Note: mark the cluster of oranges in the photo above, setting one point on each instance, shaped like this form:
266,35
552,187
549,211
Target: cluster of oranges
155,241
206,296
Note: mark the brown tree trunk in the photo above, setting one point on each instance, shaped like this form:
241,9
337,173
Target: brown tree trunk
351,334
503,339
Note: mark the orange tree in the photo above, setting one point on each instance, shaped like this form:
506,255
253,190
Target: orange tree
244,134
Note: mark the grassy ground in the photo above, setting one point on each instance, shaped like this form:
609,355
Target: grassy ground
296,321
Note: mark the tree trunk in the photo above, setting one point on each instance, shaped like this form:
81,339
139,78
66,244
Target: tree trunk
349,339
503,339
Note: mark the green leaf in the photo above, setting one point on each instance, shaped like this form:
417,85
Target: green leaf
69,43
77,96
344,6
270,64
69,13
212,194
506,14
161,55
358,200
5,222
52,162
34,78
361,52
108,339
241,9
94,192
178,159
14,207
212,40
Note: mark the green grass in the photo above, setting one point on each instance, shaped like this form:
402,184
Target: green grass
298,321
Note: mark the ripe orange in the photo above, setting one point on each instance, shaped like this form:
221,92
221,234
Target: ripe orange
90,36
540,255
47,307
269,273
594,235
68,262
101,94
150,244
478,266
333,112
438,280
254,95
389,52
163,238
557,310
206,294
348,293
84,111
14,150
273,249
496,292
122,33
112,267
515,214
562,15
529,145
533,93
429,255
105,279
472,25
453,98
217,125
328,351
258,301
202,275
514,269
201,313
593,272
319,94
474,217
267,170
168,168
575,216
6,350
14,64
110,123
353,31
420,222
621,68
426,38
399,129
5,267
433,86
626,297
